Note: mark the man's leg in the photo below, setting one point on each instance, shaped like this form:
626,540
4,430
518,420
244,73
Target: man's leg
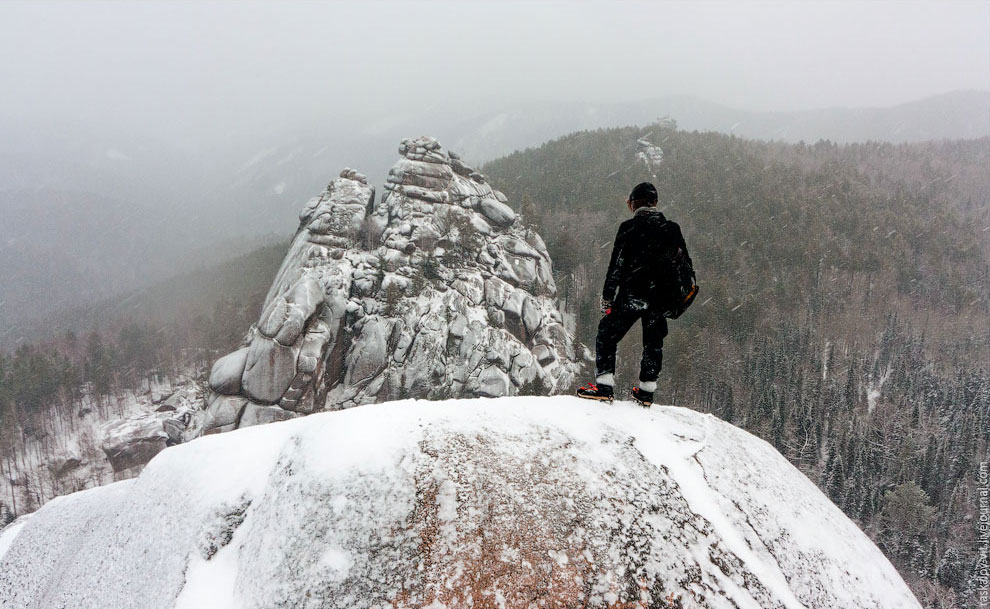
654,331
611,329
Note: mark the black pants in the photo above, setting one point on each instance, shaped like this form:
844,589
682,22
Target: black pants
614,326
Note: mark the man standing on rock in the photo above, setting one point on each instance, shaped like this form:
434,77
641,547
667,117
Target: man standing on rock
649,278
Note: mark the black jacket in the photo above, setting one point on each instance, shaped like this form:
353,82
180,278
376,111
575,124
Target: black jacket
635,277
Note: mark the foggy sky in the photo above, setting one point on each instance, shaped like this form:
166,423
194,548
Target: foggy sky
190,70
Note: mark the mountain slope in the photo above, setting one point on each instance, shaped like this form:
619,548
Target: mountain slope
478,503
177,300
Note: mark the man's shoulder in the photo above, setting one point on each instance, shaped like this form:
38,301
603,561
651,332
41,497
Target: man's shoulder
658,226
626,225
662,220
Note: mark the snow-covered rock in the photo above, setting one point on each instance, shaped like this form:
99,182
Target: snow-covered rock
513,502
130,442
433,291
650,154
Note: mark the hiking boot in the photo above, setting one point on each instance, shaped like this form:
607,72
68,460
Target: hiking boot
645,398
593,391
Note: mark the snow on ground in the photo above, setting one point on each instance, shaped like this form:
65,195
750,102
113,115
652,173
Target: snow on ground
8,533
511,502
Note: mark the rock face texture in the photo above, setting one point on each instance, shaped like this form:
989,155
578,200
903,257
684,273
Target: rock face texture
515,503
434,290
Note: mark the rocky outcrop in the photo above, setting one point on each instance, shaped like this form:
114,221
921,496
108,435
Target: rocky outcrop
434,290
650,154
129,443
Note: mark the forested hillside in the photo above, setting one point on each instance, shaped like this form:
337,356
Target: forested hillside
84,366
843,315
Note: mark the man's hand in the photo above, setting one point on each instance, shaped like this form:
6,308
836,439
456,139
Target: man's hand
606,306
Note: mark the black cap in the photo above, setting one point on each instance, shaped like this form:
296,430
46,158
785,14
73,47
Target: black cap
644,192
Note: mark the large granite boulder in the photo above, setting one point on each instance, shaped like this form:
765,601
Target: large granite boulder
130,442
515,503
434,290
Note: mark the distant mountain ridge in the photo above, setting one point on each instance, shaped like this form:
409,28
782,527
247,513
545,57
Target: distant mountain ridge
955,115
182,199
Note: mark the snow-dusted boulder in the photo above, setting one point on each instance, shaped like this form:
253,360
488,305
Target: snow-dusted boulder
496,211
225,377
130,442
515,502
433,291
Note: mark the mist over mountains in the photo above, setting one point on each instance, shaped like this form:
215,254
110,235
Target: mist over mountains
90,213
962,114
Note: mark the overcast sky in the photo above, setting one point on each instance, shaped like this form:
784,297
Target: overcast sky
185,67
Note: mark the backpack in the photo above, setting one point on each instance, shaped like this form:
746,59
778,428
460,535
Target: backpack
677,284
681,287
